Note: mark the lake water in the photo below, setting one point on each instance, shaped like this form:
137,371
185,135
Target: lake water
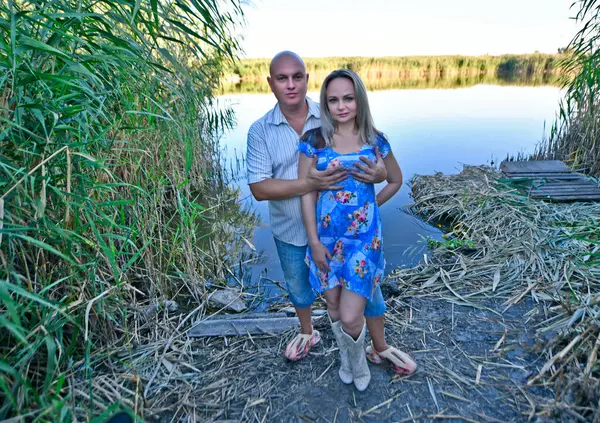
430,130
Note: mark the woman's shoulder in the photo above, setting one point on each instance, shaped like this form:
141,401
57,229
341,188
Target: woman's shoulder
381,141
380,136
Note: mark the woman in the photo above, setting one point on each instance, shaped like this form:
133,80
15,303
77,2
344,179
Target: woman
345,253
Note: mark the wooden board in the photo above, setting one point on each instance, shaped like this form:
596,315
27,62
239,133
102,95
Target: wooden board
551,180
244,324
237,327
566,190
245,316
570,197
535,166
584,190
584,183
545,175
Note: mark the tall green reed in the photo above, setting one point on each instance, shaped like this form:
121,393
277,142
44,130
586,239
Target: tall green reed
575,136
110,181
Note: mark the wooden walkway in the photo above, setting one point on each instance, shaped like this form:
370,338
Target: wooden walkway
552,180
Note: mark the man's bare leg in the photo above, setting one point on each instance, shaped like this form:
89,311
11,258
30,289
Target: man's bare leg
304,315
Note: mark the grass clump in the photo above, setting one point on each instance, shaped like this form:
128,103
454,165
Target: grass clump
112,195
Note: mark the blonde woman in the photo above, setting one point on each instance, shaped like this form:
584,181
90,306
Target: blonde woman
345,254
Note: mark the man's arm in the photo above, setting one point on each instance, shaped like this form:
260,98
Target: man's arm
279,189
260,173
282,189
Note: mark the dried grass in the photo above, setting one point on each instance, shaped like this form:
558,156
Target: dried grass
527,260
519,247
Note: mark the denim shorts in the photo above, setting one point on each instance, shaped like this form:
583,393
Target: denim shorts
295,272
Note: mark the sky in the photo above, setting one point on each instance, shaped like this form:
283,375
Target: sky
323,28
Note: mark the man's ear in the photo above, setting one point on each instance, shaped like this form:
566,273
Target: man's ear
269,80
307,75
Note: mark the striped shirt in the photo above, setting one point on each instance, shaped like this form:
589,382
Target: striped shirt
273,153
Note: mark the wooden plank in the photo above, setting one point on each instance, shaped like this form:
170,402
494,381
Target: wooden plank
567,183
550,176
241,327
590,190
552,180
563,194
556,175
570,197
264,315
534,166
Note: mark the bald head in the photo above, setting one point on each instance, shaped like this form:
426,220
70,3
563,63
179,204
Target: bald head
285,56
288,80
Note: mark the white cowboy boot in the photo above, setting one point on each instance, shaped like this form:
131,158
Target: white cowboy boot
361,374
345,371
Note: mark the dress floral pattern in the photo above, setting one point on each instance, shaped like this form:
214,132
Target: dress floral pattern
348,223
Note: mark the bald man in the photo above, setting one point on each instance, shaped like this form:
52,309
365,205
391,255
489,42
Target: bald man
272,161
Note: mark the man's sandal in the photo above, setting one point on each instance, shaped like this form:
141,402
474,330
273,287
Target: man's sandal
300,346
399,361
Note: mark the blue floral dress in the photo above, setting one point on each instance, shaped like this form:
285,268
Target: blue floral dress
348,223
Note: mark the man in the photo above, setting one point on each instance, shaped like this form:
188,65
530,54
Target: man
272,161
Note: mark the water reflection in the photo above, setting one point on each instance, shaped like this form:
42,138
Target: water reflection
437,81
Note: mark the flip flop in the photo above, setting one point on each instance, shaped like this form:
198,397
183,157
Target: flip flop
399,361
300,346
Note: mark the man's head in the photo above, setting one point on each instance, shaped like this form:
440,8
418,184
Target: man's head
288,78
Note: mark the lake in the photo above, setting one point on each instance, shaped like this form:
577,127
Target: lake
430,130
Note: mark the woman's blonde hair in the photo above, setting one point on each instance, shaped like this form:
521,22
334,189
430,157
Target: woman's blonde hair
364,122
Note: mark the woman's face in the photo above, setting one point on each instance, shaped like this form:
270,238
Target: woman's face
341,100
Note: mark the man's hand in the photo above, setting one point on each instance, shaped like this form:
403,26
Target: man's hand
373,172
325,180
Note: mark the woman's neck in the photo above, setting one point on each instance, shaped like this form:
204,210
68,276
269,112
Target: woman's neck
347,129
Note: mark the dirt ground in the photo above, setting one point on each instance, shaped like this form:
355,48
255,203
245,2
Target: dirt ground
451,344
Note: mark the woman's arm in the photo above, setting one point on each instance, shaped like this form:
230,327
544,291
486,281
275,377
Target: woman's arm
320,254
394,179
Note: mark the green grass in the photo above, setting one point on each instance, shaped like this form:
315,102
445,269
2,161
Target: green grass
111,188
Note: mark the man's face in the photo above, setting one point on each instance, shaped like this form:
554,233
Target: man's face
288,81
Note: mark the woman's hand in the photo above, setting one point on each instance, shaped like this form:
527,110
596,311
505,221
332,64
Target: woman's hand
321,256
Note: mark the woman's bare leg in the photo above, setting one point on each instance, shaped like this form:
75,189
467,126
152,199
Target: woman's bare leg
332,297
376,327
352,309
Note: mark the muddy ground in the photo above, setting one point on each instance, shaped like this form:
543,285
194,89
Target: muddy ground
248,379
